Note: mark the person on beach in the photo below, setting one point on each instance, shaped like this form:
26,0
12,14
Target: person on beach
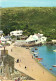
25,67
17,60
20,60
11,50
32,56
43,72
19,65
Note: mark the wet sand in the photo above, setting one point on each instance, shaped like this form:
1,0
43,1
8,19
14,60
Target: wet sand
33,69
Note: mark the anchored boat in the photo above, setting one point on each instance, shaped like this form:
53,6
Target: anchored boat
39,59
54,65
36,49
50,69
54,50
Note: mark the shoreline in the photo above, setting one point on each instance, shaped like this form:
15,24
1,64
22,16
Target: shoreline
31,66
40,63
39,44
46,69
34,70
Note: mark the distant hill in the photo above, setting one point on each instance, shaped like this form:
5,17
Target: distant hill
30,19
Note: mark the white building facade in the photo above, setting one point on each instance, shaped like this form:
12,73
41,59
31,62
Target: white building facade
16,33
37,38
32,38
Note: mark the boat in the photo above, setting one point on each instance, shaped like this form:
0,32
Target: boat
39,59
35,48
50,69
54,65
54,50
35,53
32,50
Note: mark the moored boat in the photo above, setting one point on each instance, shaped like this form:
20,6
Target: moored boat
54,65
35,48
54,50
50,69
32,50
39,59
35,53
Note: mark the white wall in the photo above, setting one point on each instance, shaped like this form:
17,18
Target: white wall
16,33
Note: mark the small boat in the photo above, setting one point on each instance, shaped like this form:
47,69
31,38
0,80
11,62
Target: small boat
54,65
35,48
39,59
32,50
35,53
54,50
50,69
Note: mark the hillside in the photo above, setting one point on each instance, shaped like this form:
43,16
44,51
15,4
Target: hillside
30,20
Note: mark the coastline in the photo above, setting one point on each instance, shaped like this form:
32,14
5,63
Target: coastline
34,70
46,69
40,63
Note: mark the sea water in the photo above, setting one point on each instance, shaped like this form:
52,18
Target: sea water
48,55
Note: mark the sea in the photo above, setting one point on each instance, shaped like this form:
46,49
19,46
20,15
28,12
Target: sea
49,57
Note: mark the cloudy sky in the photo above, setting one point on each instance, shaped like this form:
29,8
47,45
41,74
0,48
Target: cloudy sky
27,3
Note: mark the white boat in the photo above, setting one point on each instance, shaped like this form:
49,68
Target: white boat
54,50
35,53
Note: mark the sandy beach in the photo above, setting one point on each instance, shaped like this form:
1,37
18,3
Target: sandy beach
33,69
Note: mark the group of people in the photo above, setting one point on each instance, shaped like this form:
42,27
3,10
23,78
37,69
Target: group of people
20,61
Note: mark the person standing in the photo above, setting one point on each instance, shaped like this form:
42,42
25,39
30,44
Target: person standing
25,67
11,50
17,60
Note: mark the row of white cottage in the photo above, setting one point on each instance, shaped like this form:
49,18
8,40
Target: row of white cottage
4,39
15,33
32,39
37,38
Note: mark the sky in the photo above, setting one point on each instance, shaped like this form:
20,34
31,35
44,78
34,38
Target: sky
27,3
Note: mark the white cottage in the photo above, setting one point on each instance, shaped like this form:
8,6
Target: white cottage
54,41
32,38
41,38
37,38
2,39
16,33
